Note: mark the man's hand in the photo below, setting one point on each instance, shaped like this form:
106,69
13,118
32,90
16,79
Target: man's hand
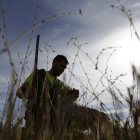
75,93
32,92
26,92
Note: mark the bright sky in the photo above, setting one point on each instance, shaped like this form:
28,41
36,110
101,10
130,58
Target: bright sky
100,26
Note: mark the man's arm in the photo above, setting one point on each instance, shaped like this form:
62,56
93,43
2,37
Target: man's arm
26,91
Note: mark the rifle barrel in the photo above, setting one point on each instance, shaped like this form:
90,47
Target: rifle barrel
35,75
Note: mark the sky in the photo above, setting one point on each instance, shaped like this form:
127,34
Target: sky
98,27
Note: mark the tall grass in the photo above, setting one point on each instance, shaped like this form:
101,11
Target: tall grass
72,121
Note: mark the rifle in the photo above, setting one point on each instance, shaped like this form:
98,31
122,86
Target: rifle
35,77
32,103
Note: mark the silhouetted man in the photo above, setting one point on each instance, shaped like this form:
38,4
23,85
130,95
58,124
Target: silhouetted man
59,65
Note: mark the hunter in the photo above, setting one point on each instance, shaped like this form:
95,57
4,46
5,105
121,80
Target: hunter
59,65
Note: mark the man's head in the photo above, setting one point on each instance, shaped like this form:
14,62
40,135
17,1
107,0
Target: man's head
59,65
